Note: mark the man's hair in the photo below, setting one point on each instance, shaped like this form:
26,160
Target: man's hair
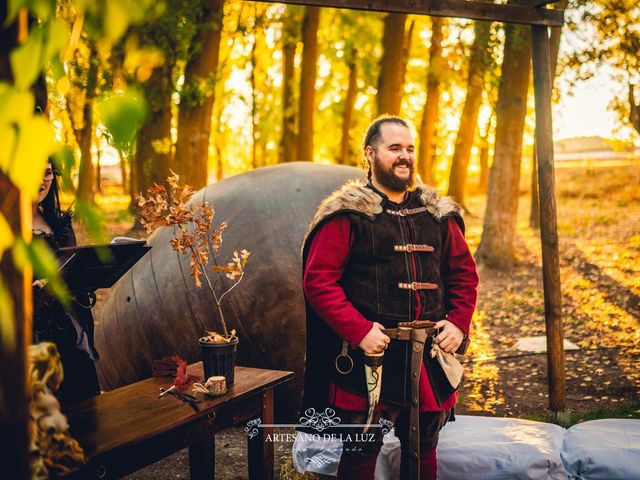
372,137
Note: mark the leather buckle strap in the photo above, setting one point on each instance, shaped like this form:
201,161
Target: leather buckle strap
406,211
417,286
409,248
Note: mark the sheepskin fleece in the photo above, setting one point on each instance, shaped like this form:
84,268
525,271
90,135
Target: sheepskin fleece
355,196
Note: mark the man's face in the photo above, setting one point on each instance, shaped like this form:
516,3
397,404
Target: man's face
393,160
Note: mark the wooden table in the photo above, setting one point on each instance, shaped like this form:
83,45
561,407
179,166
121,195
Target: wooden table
128,428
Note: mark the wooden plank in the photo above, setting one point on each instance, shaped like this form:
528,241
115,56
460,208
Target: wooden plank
260,451
535,3
103,423
474,10
202,459
548,220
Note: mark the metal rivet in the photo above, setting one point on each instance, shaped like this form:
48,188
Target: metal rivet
376,209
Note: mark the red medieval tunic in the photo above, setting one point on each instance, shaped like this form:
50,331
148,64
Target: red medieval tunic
325,264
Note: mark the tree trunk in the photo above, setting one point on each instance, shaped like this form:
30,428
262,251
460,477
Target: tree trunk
98,171
496,247
483,185
255,163
134,189
534,213
16,209
406,52
349,106
554,48
427,134
86,171
197,97
478,62
123,174
390,79
289,40
153,153
307,83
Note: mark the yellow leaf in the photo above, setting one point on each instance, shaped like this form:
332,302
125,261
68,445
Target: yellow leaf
17,105
6,235
115,22
7,326
26,60
8,137
35,144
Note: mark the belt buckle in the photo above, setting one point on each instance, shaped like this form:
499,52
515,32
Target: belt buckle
414,286
409,248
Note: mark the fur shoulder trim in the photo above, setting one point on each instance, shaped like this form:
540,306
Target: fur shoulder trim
442,206
355,196
352,196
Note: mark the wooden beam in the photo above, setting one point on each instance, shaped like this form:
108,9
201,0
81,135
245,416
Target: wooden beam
535,3
548,221
474,10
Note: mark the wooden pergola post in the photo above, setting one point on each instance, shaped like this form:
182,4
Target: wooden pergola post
548,222
15,206
529,12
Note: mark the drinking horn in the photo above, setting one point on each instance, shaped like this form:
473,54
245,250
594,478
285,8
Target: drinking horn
155,309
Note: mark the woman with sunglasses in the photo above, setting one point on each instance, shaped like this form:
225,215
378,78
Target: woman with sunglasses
71,328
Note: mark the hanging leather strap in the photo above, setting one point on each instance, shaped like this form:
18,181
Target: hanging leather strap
417,337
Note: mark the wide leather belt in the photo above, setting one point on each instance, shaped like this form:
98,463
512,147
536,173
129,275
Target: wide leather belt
417,333
418,286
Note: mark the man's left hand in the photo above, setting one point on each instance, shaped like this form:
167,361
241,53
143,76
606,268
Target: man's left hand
450,336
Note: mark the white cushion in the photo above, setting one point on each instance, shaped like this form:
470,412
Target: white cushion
478,448
606,449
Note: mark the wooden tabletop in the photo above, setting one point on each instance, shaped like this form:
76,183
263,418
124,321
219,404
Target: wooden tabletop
131,414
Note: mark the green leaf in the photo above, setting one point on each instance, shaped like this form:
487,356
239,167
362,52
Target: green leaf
123,114
39,256
13,8
44,9
58,37
46,267
7,322
64,161
27,59
89,216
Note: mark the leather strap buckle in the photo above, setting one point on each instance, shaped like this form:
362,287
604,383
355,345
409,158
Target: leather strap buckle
412,247
406,211
417,286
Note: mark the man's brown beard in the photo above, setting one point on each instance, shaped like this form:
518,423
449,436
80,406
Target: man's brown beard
389,179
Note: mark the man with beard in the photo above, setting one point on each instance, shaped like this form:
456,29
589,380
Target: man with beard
385,263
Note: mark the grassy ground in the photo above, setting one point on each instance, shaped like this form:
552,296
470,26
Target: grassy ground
599,231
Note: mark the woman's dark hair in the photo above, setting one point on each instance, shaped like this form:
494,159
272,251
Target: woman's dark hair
372,137
59,221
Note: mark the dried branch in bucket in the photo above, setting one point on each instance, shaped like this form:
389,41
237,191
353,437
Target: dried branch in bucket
215,337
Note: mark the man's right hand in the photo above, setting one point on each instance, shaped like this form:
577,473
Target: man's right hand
375,341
